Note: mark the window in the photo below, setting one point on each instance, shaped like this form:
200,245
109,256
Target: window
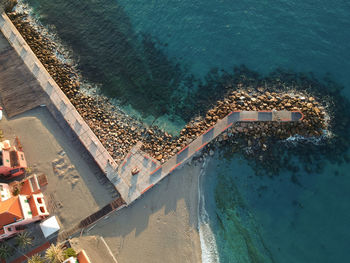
42,210
26,201
40,201
29,213
1,187
9,229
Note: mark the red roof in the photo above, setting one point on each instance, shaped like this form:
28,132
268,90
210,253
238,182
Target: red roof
29,186
10,211
82,257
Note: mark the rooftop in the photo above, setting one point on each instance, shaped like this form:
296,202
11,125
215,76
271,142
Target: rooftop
10,211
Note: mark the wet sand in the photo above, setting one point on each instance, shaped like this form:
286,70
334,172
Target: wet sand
159,227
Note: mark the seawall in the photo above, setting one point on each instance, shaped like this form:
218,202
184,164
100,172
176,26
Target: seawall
57,103
130,184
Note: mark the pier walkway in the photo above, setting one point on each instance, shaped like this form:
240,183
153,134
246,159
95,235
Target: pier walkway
151,171
43,89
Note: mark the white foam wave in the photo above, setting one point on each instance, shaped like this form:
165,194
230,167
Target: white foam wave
315,140
206,235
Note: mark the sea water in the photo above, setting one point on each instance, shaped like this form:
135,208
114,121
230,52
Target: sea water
253,219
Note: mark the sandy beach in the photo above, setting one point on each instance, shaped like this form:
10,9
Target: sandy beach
159,227
73,191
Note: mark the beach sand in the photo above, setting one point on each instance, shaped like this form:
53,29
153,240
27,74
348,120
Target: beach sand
95,248
159,227
73,191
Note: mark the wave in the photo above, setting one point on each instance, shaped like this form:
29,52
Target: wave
62,51
314,140
206,235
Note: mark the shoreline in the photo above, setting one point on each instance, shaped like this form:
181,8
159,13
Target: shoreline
207,238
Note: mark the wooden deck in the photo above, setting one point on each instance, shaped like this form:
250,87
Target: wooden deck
19,89
93,218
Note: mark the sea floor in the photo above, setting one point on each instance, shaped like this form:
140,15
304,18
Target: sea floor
299,220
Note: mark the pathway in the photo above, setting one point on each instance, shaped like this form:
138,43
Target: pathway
151,171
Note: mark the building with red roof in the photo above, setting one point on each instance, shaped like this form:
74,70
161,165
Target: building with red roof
21,203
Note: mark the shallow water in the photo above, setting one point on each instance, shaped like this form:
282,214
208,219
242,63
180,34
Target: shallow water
288,221
276,220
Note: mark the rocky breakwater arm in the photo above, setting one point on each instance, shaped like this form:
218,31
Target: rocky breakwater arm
312,124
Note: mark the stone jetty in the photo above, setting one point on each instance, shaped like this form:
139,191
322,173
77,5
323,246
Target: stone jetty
119,132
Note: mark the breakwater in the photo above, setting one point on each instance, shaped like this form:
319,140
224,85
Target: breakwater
109,135
60,106
118,132
141,173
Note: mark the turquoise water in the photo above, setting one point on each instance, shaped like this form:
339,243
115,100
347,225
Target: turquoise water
285,221
150,54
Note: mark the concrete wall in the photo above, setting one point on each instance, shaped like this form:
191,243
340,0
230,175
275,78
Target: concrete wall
64,112
60,106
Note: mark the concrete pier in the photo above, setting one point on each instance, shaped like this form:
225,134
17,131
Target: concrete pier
151,172
42,89
138,172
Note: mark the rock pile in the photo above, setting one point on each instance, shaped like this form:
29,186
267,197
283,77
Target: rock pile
118,132
312,124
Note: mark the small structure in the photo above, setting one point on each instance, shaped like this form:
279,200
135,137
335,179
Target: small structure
21,204
12,161
82,257
134,171
50,226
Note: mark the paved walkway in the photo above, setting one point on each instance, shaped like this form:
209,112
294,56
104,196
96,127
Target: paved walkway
57,102
20,91
115,205
151,172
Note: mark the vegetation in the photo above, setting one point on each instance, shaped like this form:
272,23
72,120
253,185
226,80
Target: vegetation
5,251
15,191
69,252
55,254
36,259
29,170
24,240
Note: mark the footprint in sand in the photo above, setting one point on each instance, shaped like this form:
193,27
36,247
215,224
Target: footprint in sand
63,168
71,168
58,161
73,181
62,153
